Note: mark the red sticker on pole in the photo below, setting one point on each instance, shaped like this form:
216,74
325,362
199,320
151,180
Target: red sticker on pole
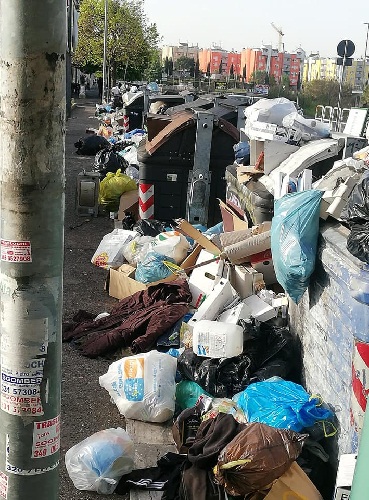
16,251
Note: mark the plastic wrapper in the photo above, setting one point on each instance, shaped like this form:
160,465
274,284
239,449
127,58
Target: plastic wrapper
256,457
130,154
98,462
112,188
143,386
294,239
172,244
283,404
109,253
153,268
149,227
137,249
357,216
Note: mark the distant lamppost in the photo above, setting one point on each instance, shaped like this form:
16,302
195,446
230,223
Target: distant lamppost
366,48
105,43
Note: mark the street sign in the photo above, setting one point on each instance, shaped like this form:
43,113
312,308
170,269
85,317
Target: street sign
345,48
348,61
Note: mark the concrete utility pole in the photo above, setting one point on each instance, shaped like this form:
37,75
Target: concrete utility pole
32,128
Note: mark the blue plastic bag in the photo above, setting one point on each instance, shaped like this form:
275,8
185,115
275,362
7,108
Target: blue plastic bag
283,404
294,238
153,268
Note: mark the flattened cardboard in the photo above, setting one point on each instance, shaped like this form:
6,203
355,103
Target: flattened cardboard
128,200
293,484
231,221
202,240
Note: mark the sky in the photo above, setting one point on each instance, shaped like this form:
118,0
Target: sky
315,25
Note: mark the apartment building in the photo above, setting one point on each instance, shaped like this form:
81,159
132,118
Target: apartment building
181,50
319,68
274,63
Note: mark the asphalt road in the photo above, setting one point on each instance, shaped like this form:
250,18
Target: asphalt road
86,407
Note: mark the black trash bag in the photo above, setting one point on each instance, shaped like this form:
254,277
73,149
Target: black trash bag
91,145
128,221
150,227
107,160
356,214
268,351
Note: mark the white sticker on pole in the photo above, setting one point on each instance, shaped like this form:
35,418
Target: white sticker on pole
20,389
3,485
16,251
46,438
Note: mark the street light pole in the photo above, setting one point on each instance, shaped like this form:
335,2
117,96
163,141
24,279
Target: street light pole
105,44
365,53
32,127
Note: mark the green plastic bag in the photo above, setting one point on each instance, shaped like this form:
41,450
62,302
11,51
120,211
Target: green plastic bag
187,393
112,188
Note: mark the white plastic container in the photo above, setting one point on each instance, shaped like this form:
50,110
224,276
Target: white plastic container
212,339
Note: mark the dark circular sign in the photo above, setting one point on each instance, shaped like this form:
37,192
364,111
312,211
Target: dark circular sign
345,48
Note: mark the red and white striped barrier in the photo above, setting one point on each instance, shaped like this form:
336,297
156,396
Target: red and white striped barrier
146,200
125,123
360,383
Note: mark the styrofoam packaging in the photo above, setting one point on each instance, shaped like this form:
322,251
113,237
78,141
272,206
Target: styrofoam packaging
204,278
216,340
213,305
259,309
233,315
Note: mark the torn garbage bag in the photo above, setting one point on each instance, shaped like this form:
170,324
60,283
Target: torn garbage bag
357,216
283,404
256,457
264,346
294,238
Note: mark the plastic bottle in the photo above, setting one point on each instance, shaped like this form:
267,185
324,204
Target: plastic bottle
213,339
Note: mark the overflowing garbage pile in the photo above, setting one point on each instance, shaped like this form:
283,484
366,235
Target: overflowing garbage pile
199,338
200,334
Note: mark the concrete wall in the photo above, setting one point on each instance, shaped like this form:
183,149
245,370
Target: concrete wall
332,325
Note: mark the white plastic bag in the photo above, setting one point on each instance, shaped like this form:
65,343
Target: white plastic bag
109,253
137,249
172,244
143,386
270,110
98,462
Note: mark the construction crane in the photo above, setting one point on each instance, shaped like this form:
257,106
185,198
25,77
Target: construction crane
280,37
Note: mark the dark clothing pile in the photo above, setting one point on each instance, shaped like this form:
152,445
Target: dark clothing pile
135,322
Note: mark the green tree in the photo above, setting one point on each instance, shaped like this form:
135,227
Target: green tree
166,66
197,69
258,76
231,71
208,73
192,68
244,73
154,69
170,67
184,63
220,70
130,37
365,96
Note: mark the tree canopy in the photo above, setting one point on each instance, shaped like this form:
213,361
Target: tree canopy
130,43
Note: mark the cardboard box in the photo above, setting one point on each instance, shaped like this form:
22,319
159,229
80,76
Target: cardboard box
259,309
203,279
231,221
222,294
121,283
263,263
202,240
128,202
245,280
